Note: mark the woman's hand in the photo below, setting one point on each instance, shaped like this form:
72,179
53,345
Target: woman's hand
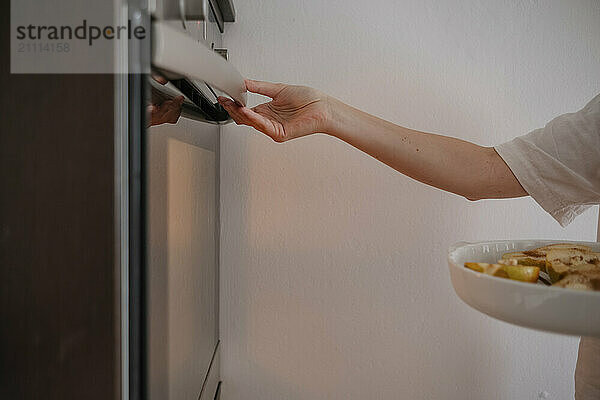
166,112
295,111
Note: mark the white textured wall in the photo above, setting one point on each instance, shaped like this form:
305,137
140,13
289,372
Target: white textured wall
334,283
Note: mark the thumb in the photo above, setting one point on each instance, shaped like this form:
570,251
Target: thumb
264,88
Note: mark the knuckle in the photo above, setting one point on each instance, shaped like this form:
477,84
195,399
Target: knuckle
279,138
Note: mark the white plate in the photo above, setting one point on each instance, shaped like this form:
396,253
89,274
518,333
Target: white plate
536,306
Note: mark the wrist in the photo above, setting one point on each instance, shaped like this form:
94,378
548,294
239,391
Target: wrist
334,116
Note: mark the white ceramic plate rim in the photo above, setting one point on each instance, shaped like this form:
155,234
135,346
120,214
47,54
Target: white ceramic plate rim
453,250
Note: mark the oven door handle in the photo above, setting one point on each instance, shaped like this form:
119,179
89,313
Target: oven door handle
178,53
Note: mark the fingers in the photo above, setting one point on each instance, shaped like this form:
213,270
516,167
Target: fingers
235,111
258,121
246,116
150,114
168,112
173,109
264,88
159,78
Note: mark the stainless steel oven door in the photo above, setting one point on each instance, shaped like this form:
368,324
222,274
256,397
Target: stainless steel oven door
194,70
182,208
186,38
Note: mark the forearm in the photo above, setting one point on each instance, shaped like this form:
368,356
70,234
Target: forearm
451,164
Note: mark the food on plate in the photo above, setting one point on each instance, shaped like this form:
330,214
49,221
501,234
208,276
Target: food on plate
568,246
589,280
567,265
524,258
522,273
537,257
516,272
559,262
488,269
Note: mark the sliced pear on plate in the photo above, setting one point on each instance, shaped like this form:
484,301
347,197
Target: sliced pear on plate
522,273
488,269
514,272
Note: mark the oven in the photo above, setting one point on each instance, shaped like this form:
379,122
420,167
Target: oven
173,333
109,239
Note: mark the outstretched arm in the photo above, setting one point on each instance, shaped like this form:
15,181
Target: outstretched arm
451,164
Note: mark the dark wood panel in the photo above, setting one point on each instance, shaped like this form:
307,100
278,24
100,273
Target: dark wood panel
57,280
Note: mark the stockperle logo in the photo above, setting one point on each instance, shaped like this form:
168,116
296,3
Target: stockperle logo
84,31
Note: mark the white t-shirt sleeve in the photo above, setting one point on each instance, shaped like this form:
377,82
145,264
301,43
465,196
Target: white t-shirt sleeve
559,165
